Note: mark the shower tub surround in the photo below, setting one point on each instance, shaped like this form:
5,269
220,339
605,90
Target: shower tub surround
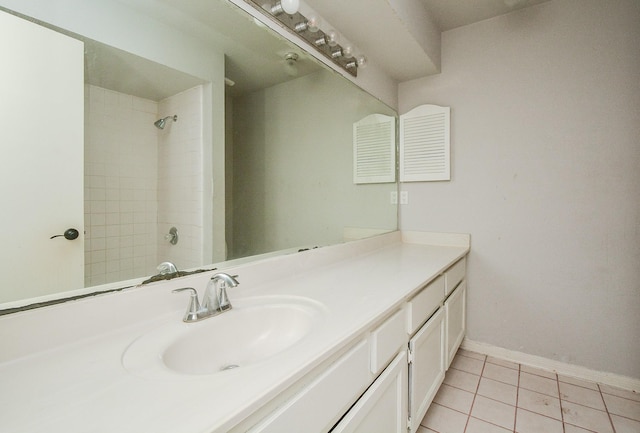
62,370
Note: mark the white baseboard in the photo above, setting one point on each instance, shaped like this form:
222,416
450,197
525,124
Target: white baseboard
559,367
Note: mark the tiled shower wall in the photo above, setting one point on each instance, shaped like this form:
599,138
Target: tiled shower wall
121,172
141,181
180,179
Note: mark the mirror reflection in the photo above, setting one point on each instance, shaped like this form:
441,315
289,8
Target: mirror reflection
234,144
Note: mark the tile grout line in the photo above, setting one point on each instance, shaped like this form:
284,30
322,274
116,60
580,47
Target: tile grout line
515,418
484,363
560,403
606,408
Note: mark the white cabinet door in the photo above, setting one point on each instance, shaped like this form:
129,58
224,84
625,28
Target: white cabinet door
42,165
456,323
321,404
426,368
383,408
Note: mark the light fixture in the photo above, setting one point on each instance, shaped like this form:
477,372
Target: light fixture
291,64
301,26
308,28
287,6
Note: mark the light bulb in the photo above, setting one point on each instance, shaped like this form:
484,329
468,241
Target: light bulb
347,51
332,38
290,6
313,23
362,61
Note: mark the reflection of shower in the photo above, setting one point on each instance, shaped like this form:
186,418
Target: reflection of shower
160,124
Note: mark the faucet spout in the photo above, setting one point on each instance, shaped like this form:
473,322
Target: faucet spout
215,299
215,296
226,278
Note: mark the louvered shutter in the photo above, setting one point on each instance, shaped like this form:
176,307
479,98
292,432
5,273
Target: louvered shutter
425,144
374,150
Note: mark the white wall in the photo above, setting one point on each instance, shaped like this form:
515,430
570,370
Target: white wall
546,177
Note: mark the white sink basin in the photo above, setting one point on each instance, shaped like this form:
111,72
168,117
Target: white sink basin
255,330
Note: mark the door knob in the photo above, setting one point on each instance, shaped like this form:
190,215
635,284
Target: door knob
69,234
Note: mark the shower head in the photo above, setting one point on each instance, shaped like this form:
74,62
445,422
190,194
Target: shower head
160,124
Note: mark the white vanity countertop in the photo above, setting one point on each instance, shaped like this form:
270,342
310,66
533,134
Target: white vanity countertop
77,383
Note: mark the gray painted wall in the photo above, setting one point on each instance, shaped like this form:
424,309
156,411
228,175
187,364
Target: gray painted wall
545,106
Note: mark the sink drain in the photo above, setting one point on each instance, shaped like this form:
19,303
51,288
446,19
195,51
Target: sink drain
229,367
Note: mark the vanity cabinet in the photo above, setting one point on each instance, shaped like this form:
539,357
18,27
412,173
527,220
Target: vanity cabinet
383,408
386,381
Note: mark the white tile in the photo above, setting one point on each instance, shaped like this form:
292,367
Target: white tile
444,420
470,365
498,391
503,363
539,384
98,244
494,412
538,371
578,382
501,374
478,426
454,398
622,406
539,403
568,428
586,417
529,422
462,379
625,425
580,395
631,395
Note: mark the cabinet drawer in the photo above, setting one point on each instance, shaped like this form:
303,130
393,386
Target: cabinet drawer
422,306
386,341
318,406
454,275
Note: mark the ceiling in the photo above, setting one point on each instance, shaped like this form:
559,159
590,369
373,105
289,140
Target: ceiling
255,60
450,14
375,27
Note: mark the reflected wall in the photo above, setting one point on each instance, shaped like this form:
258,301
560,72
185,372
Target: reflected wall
293,167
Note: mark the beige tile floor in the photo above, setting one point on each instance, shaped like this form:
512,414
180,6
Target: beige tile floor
481,394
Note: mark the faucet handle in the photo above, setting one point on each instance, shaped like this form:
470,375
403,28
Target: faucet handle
194,305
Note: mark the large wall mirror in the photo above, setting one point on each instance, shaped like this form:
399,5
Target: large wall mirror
205,137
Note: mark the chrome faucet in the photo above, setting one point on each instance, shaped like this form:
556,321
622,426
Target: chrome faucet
215,300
